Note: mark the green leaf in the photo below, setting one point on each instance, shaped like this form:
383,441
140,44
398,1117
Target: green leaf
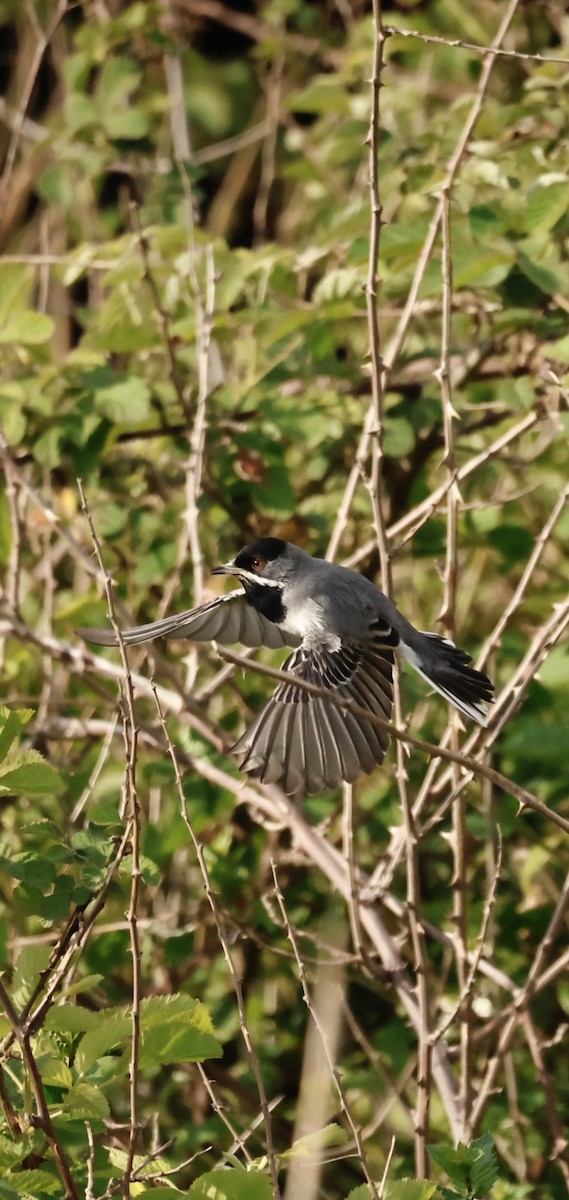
542,277
12,721
31,776
533,740
14,1152
71,1018
29,1185
85,1102
304,1147
514,543
399,437
27,328
484,1164
175,1029
161,1193
141,1165
130,123
54,1071
235,1184
455,1163
321,96
83,985
125,403
111,1033
558,349
471,267
546,206
410,1189
31,961
483,221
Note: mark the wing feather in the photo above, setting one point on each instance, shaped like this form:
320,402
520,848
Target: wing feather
227,619
309,743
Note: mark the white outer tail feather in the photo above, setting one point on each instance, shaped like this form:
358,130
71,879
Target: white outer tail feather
479,714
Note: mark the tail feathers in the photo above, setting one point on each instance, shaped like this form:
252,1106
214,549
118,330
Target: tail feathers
446,668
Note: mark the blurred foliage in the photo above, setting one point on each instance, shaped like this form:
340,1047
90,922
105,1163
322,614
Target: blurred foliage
117,199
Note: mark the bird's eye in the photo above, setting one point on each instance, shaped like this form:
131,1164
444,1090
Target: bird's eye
258,564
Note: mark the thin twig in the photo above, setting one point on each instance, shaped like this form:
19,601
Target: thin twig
398,338
238,1140
468,763
212,900
130,805
448,617
43,40
43,1113
323,1037
459,44
519,1007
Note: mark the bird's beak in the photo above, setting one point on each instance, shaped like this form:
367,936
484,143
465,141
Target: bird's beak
227,568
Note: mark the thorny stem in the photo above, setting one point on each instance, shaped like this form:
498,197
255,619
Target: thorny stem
448,616
212,900
44,1116
130,803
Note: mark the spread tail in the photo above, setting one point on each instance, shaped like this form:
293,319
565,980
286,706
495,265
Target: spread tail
446,668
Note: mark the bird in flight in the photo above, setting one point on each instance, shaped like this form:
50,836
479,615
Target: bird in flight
344,633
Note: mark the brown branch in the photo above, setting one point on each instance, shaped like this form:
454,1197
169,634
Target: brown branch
407,314
466,761
519,1007
131,804
212,900
313,1011
459,44
43,1114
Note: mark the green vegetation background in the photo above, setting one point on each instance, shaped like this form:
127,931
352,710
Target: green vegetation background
183,327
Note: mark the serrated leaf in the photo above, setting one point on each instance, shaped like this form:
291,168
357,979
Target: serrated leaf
161,1193
546,206
29,869
235,1184
320,96
12,721
86,984
85,1102
541,276
111,1033
175,1029
130,123
454,1162
31,961
558,349
27,328
410,1189
484,1164
30,1184
14,1152
126,403
118,1158
30,776
71,1018
54,1071
304,1147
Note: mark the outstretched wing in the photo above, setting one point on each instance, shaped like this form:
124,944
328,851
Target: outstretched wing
227,619
307,742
